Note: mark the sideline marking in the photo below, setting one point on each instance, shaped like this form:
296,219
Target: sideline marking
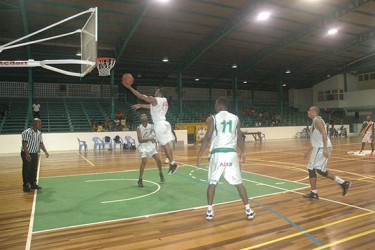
346,239
86,160
32,216
307,231
128,199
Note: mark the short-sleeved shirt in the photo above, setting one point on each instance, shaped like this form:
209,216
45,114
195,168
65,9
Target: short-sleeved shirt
159,111
33,139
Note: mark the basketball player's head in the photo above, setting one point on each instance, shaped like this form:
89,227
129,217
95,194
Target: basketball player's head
222,103
159,92
369,118
144,118
313,112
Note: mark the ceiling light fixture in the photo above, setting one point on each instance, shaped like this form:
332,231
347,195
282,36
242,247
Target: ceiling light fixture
165,59
264,15
196,79
332,31
284,84
78,53
234,66
287,71
244,81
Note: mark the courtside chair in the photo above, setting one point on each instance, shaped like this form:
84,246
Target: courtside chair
82,144
130,142
97,143
107,141
117,140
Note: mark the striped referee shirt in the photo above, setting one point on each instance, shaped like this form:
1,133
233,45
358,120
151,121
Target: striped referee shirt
33,139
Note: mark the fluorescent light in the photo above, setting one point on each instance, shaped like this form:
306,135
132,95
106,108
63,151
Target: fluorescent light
234,66
196,79
264,15
244,81
284,84
165,59
287,71
332,31
78,53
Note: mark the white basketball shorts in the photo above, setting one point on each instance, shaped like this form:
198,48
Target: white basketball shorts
317,159
163,132
225,164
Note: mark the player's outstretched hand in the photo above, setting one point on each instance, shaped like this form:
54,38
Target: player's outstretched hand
136,106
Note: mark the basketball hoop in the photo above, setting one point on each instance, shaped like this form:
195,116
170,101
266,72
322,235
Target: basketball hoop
105,64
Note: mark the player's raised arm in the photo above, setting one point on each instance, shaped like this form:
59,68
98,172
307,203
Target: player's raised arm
127,81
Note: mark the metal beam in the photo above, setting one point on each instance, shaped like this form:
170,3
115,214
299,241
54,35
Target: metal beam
241,15
269,51
137,19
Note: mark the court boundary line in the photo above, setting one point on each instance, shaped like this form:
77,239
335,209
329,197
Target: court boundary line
308,230
92,164
32,215
346,239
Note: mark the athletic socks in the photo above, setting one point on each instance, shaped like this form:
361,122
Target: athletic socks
314,191
339,180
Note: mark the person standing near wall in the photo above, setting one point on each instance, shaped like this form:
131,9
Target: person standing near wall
36,109
368,134
32,142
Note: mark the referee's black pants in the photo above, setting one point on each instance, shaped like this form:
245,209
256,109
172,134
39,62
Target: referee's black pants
29,169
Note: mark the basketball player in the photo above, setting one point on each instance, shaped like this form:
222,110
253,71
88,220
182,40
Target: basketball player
225,135
158,106
321,148
147,147
368,134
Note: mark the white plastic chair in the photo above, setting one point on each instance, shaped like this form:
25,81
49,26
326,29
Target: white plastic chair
82,144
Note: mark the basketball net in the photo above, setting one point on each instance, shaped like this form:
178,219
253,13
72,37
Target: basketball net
104,65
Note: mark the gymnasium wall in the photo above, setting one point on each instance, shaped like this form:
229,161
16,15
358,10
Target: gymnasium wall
68,141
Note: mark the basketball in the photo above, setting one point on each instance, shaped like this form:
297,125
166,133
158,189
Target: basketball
127,79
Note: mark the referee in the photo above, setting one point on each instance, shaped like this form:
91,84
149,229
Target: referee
32,142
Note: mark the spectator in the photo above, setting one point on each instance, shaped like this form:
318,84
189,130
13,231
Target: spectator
100,127
117,124
94,125
36,109
119,115
107,124
123,123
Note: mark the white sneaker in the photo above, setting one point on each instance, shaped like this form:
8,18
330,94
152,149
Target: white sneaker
210,214
250,214
167,160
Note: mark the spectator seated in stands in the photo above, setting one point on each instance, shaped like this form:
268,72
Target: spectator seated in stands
117,126
100,127
119,115
123,124
107,124
94,125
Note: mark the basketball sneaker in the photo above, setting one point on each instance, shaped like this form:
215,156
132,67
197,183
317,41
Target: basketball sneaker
210,214
345,187
140,183
172,168
35,186
250,214
161,177
311,196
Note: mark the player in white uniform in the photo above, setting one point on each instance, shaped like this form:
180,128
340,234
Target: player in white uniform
158,106
147,147
224,134
321,148
368,129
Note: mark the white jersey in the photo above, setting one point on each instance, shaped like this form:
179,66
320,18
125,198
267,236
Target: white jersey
147,132
316,137
225,132
159,111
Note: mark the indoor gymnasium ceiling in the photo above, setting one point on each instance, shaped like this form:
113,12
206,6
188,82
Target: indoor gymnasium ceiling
202,39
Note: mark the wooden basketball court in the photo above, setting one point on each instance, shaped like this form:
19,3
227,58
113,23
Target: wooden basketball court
283,221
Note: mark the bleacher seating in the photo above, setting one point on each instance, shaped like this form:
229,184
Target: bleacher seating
76,114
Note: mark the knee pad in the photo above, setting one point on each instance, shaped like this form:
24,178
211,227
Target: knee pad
323,173
312,173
